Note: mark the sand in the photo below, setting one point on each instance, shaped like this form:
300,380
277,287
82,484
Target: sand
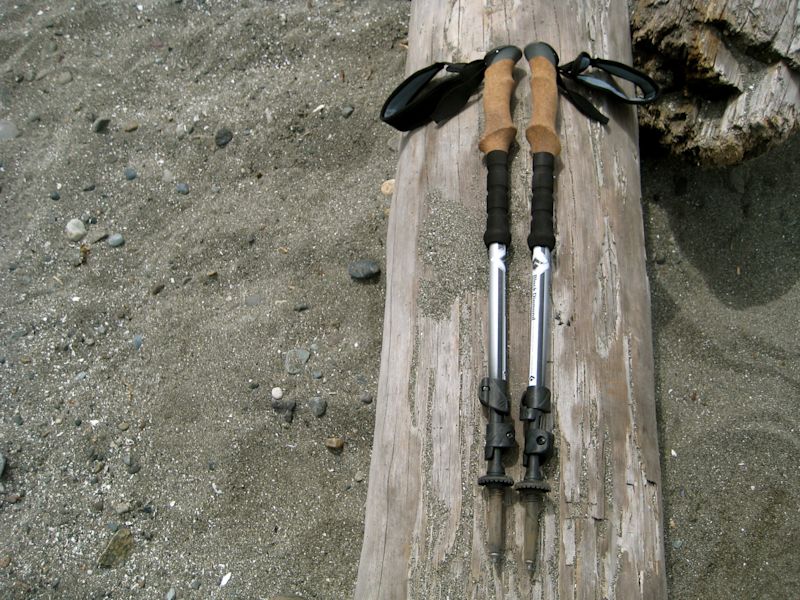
136,380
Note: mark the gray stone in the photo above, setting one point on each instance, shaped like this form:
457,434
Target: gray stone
8,130
130,173
55,195
365,398
364,269
2,464
100,125
75,230
137,341
295,360
347,110
171,594
318,406
115,240
64,77
223,137
182,188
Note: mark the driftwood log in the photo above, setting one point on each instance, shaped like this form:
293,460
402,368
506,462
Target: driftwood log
730,72
425,520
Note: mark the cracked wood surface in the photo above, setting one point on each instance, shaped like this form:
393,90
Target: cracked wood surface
729,70
425,521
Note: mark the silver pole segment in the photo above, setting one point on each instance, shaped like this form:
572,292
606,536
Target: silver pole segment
498,361
540,316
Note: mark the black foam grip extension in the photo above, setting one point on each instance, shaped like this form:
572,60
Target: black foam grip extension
497,230
542,233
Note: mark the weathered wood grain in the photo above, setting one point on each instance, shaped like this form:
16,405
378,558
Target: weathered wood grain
601,527
730,72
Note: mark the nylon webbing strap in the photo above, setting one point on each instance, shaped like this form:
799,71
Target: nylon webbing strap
575,71
420,99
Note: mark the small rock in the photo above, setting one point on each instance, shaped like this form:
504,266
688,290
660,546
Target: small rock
285,407
359,476
122,508
677,544
118,549
182,188
137,341
301,307
123,426
115,240
89,187
129,126
130,173
157,289
55,195
223,137
277,393
195,584
8,131
5,561
98,505
334,443
171,594
387,187
100,125
295,360
134,468
316,374
365,398
184,129
364,269
18,420
75,230
64,77
347,110
2,464
318,406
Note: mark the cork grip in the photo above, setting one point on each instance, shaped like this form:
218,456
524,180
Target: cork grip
499,130
541,131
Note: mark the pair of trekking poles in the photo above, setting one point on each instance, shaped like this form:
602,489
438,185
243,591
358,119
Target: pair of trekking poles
421,99
499,134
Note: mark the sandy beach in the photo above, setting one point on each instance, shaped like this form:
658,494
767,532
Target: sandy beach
188,365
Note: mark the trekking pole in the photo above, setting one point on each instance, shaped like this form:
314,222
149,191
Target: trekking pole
499,133
535,405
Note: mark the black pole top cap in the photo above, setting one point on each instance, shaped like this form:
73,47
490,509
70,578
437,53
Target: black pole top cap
541,49
502,53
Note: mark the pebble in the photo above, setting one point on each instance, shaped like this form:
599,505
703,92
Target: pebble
75,230
195,584
122,507
2,464
64,77
100,125
81,376
285,407
318,406
130,173
677,544
8,131
137,341
387,187
334,443
5,560
277,393
316,374
223,137
134,468
18,420
254,385
130,126
117,550
55,196
359,476
182,188
115,240
157,289
347,110
364,269
89,187
123,426
365,398
171,594
295,360
184,129
301,307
